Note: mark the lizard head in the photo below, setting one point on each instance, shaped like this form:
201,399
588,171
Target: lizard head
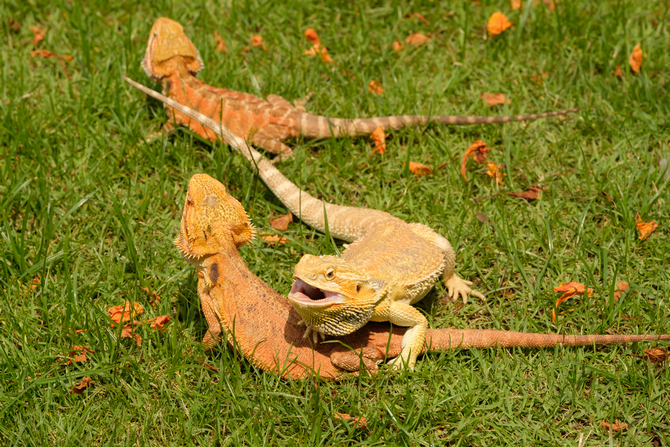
167,46
333,296
212,221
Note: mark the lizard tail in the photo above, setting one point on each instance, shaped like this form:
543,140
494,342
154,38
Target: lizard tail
321,127
343,222
443,339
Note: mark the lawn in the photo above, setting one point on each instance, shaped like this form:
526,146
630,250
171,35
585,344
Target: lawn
89,213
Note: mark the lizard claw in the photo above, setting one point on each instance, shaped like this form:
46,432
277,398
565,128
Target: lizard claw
310,330
460,287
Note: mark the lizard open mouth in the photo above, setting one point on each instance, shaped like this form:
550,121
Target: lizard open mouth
310,296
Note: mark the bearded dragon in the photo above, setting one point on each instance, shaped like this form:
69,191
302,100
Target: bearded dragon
244,294
172,60
264,327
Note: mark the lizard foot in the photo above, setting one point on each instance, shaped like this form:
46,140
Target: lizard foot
310,330
460,287
401,362
370,357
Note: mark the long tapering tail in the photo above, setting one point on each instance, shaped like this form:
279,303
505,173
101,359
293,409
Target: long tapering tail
443,339
323,127
344,222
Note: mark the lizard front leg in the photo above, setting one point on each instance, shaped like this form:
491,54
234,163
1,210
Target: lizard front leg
270,138
403,314
209,308
352,360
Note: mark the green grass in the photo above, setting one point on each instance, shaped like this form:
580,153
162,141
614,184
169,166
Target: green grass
92,213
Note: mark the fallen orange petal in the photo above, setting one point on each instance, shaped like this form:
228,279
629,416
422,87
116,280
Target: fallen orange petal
620,289
379,138
417,39
493,99
125,312
617,426
358,422
375,87
494,170
397,46
516,4
256,40
419,169
571,289
274,238
38,34
497,23
478,151
635,58
311,35
645,228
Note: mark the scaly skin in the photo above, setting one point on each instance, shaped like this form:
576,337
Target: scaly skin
264,325
173,60
265,328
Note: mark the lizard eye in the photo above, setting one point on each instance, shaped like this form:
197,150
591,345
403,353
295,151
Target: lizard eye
330,274
358,288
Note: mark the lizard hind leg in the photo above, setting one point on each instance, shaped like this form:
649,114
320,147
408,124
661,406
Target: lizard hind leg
460,287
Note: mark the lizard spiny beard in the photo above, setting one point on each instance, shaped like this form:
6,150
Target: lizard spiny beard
340,320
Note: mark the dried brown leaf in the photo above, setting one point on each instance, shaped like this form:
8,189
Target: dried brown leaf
78,354
618,72
79,389
379,138
159,322
281,222
620,289
493,99
375,87
220,43
154,298
656,355
419,169
38,34
645,228
497,23
14,25
128,331
617,426
417,39
419,17
532,193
